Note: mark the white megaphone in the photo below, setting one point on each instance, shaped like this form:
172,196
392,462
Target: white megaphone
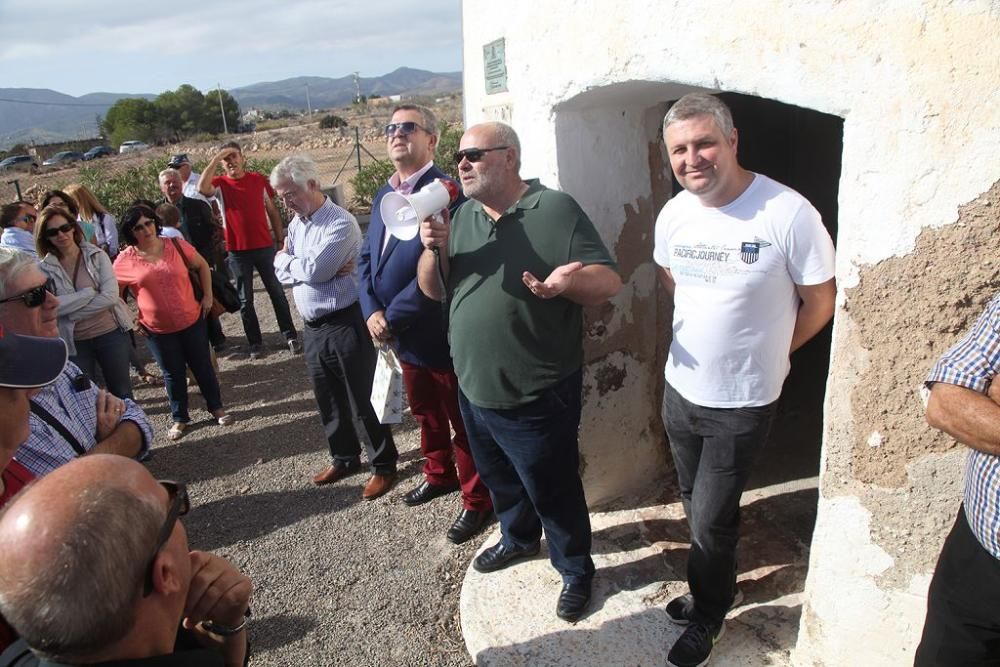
402,214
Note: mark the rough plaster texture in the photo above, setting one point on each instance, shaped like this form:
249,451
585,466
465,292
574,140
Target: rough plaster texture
918,87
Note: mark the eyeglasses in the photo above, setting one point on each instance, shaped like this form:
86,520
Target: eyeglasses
143,225
475,154
53,232
180,504
404,128
33,298
27,217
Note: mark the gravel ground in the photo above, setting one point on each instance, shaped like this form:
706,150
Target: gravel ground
337,581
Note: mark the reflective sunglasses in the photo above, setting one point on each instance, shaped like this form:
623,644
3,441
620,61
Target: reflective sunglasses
180,504
33,298
53,232
475,154
404,128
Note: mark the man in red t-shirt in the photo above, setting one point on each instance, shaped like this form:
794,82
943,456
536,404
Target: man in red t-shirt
249,205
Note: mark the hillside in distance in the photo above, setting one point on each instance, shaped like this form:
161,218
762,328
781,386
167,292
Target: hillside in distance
325,92
38,115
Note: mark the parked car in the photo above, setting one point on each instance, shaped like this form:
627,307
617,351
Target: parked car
132,146
63,158
98,151
19,163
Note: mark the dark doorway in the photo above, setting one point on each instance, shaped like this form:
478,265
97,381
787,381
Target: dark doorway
801,148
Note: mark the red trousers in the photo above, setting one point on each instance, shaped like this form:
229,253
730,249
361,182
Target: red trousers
433,397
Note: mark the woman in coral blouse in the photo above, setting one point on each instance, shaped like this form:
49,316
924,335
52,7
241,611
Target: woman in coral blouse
156,273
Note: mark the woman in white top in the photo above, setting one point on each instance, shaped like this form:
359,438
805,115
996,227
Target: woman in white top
93,320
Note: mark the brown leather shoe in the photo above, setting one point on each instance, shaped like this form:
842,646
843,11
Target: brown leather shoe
378,485
336,472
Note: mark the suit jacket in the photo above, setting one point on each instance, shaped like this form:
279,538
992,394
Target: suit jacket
388,281
201,226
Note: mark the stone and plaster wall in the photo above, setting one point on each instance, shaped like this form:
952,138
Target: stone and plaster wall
916,83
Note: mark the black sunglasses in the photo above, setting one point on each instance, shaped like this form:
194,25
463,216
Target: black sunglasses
475,154
179,506
404,128
53,232
33,298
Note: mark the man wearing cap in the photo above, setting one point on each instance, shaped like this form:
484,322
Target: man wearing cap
26,363
249,209
129,591
189,179
72,416
398,313
18,223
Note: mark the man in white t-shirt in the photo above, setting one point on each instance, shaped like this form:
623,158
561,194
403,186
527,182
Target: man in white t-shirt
750,270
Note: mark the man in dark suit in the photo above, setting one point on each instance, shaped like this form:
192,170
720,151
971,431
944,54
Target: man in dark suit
399,314
200,228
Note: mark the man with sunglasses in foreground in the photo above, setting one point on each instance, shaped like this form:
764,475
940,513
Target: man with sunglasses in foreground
517,345
72,416
18,223
399,314
95,570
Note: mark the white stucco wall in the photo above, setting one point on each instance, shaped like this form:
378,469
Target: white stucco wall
917,86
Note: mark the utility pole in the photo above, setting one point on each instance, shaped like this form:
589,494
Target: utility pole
308,103
225,127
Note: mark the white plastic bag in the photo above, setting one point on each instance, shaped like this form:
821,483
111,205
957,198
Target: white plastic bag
387,388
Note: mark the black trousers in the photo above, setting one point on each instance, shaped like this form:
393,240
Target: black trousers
963,604
341,361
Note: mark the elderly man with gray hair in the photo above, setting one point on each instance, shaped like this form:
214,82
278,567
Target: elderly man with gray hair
317,259
95,569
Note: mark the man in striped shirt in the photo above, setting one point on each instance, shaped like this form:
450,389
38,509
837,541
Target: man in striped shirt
963,617
317,258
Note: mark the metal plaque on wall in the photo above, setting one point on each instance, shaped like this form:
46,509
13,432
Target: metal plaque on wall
495,67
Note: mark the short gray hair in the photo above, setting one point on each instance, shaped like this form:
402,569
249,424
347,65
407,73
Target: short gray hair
429,119
506,136
12,262
170,171
300,169
81,598
700,104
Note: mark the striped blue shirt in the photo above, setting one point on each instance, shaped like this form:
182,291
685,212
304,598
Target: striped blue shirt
316,248
45,449
973,363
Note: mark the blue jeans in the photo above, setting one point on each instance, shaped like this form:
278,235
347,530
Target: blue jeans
110,351
529,459
187,348
242,264
713,450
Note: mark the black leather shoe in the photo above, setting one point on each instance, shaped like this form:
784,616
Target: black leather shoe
500,556
573,601
468,523
427,492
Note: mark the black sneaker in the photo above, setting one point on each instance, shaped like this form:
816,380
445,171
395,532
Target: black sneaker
694,647
680,609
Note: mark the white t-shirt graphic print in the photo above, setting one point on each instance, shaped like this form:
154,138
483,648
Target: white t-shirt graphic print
735,304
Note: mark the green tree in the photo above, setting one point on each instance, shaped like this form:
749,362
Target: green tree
447,146
130,118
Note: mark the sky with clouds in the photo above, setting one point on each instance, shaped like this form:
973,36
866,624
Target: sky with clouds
137,46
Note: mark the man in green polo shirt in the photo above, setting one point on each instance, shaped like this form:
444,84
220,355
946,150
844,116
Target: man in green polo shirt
517,345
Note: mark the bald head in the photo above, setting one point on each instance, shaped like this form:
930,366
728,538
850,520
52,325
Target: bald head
74,550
